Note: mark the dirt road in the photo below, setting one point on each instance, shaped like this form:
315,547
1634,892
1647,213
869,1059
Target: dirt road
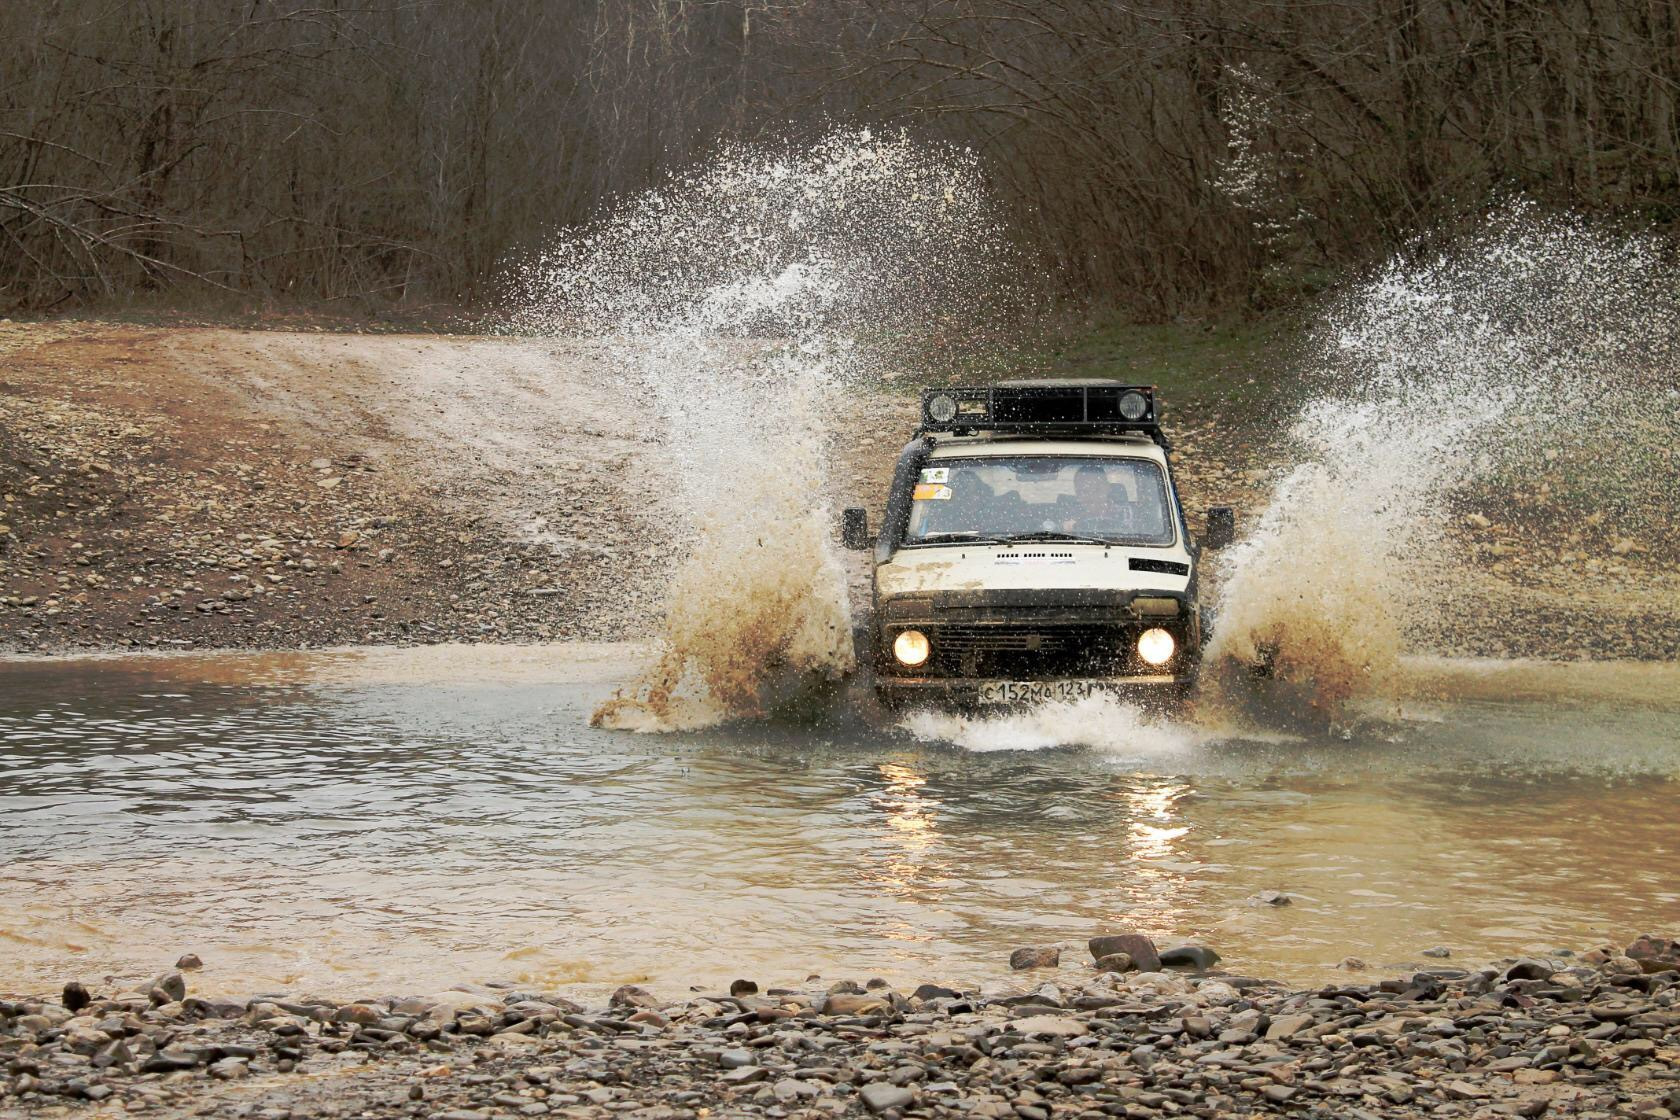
202,487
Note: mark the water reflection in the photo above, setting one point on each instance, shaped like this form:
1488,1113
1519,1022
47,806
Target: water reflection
384,825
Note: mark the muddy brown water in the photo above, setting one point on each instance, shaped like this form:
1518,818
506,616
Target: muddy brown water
387,820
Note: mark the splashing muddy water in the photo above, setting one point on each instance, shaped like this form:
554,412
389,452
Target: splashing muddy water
743,300
1531,372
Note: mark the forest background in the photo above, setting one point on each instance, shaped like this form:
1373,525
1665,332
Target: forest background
1162,159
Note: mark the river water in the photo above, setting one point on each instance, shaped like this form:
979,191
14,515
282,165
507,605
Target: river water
405,820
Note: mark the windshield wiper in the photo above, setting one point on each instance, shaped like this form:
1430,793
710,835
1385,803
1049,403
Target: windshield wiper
1053,535
970,535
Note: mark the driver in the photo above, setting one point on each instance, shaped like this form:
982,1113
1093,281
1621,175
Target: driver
1094,507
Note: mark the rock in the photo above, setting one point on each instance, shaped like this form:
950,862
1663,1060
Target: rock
1277,1094
745,1075
881,1096
1050,1026
75,997
1439,952
1655,954
631,996
934,991
1198,957
1287,1026
791,1089
1041,956
189,962
171,984
362,1014
1135,945
1465,1091
743,988
1273,898
1529,968
1351,964
229,1069
850,1003
1116,962
735,1059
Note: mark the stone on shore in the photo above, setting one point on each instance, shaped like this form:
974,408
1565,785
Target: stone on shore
1039,956
170,984
1135,945
1655,954
1529,968
1116,962
1198,957
881,1096
852,1003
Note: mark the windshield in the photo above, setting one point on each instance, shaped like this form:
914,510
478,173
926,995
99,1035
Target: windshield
1043,497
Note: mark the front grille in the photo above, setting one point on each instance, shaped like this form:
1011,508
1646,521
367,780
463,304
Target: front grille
1030,651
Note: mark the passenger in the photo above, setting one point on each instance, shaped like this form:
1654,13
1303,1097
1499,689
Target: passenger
1094,507
965,509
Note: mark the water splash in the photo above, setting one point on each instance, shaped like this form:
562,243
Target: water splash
1528,372
741,300
1101,723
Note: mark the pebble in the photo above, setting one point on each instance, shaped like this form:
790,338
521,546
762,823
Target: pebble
1135,945
879,1096
1042,956
1199,957
1446,1042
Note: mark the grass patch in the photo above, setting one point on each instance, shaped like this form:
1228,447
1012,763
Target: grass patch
1230,370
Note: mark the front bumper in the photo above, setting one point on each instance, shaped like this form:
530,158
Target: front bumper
983,692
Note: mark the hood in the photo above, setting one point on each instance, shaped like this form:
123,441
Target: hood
1046,565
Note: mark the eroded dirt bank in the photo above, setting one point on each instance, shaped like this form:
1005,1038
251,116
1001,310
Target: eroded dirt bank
218,488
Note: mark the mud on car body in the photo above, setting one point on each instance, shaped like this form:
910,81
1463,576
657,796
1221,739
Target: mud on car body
1033,548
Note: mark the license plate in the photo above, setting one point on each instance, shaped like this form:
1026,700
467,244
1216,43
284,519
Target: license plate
1035,692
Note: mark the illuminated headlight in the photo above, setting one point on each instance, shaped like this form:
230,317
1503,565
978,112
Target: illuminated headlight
1133,406
911,647
1155,646
942,408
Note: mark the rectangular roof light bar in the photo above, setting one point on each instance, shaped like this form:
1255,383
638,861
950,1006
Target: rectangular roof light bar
1069,409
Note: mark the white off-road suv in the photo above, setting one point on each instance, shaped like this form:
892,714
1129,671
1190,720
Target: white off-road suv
1033,549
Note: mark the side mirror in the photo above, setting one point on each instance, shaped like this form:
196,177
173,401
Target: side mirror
854,529
1221,527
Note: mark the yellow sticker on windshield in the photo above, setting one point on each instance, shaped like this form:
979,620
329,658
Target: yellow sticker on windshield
931,492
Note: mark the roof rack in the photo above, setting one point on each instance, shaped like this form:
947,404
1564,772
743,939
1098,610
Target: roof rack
1065,408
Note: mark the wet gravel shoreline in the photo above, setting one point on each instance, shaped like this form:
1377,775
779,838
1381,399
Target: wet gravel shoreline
1595,1034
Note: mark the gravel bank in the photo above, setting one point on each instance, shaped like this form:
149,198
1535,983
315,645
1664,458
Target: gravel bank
1591,1035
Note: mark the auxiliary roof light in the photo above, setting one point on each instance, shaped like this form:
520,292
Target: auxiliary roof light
942,408
1133,405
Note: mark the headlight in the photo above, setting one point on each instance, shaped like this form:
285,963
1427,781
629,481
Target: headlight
1133,406
942,408
911,647
1154,646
